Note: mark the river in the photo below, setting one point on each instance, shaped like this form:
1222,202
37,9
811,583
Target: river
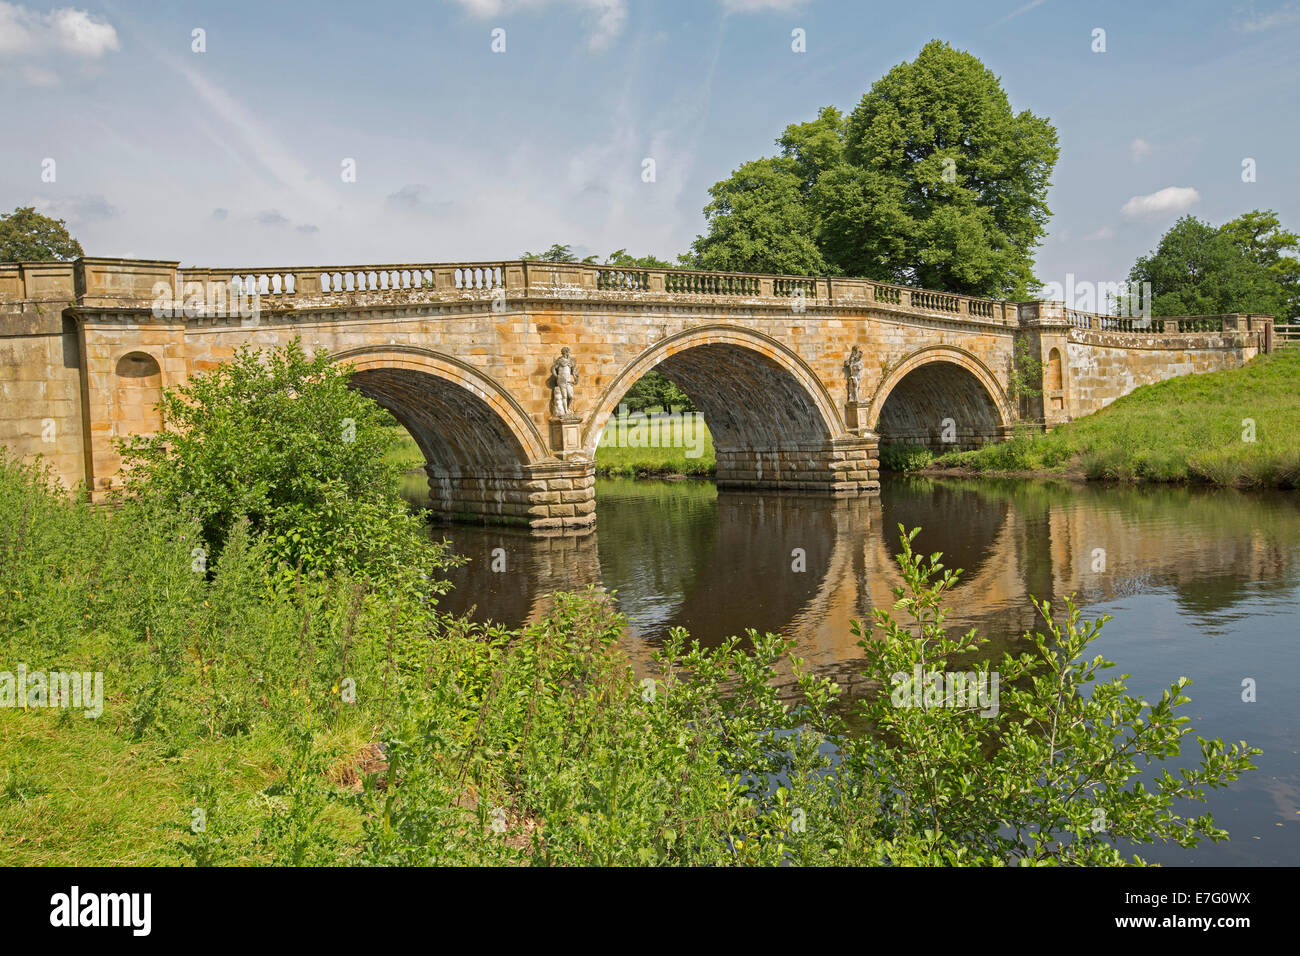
1200,583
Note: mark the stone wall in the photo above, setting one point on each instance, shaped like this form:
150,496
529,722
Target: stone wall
1102,367
40,369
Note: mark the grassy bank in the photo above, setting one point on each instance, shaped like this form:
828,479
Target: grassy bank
1196,428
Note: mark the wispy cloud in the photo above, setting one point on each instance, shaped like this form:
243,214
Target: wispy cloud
1249,21
1019,11
759,6
1140,149
79,209
605,19
1171,199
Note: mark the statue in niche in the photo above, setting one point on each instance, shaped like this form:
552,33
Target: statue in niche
564,375
853,373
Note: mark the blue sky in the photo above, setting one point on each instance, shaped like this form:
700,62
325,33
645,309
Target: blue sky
233,156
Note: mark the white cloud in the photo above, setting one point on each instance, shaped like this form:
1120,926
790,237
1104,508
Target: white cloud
756,6
76,210
46,39
77,32
1105,232
1140,149
1171,199
1253,23
605,19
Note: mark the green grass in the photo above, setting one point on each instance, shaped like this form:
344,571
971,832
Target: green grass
405,452
614,459
683,450
1192,429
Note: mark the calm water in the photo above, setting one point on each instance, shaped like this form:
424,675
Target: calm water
1203,584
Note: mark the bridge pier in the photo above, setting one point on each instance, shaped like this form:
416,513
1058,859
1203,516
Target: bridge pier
545,495
841,466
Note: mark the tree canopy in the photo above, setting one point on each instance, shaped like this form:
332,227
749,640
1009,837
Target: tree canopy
27,236
932,180
1245,265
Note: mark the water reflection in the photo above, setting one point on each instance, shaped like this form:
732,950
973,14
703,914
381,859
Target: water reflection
1201,583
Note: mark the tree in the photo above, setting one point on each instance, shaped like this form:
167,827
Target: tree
932,180
656,390
27,236
759,221
280,440
557,253
1241,266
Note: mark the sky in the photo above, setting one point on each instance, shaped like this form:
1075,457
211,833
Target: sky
369,133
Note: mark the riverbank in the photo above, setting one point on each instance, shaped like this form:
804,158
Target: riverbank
1233,428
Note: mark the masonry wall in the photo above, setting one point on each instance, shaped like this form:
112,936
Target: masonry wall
1100,369
40,388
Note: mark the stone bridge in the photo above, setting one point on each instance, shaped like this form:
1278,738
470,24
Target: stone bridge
463,356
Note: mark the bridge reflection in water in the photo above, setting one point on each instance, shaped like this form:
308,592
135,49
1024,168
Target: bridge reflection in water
1203,584
685,554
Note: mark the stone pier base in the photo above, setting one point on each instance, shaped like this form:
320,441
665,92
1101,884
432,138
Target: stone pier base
546,496
844,466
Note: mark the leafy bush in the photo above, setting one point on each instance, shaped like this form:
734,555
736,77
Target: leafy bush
279,439
900,457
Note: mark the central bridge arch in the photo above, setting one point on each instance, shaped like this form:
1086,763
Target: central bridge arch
772,421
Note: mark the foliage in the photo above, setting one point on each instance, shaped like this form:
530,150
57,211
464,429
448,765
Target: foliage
897,456
280,440
932,180
27,236
1047,776
1242,266
227,694
656,390
1025,374
759,221
563,252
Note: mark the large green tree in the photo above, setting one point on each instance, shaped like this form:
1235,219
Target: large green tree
1244,265
932,180
759,221
27,236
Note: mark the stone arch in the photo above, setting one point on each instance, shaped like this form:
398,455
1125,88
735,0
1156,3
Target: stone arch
484,457
460,417
933,384
137,390
754,391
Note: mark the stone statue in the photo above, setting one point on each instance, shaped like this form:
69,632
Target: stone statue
564,375
853,373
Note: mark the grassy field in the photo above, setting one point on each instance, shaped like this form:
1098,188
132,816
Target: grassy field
688,451
628,447
1239,427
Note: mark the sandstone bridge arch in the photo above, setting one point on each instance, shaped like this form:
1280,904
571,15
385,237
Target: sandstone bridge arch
772,421
943,397
480,447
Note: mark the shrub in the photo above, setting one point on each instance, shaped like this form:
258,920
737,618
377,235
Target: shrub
280,440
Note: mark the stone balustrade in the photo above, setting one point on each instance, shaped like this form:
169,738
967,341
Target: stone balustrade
131,282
